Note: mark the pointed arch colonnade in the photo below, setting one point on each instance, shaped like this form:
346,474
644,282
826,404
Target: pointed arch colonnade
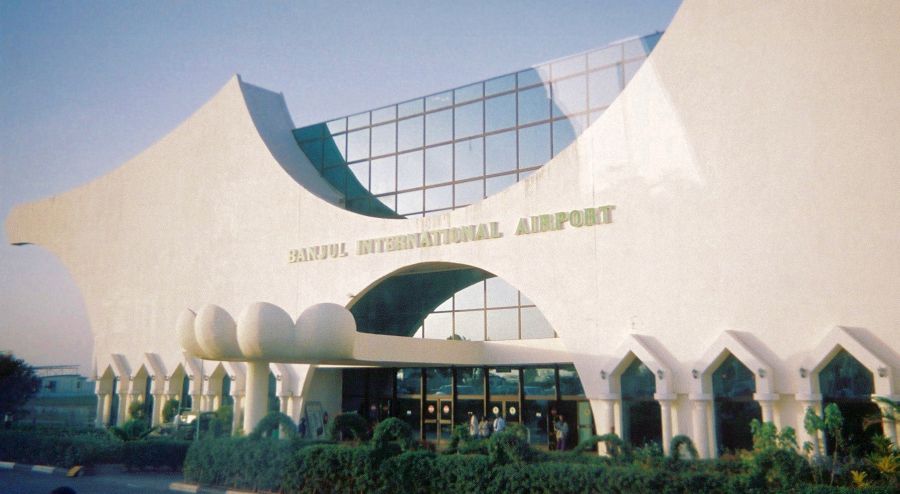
199,385
690,405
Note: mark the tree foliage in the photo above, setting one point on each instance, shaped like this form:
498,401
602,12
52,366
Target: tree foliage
18,384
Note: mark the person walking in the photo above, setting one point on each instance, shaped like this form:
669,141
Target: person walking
562,433
499,423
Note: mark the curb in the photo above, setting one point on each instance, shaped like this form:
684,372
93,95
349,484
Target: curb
22,467
185,487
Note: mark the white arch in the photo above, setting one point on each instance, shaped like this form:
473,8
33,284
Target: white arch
861,345
733,343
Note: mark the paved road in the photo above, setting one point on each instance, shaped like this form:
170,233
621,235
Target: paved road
18,482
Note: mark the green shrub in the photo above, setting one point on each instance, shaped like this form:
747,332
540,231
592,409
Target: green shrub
224,462
169,411
508,447
680,445
348,426
329,468
392,430
272,422
58,449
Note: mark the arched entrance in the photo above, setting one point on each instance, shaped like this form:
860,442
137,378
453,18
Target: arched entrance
733,388
847,383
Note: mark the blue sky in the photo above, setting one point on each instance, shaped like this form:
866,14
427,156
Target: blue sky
88,85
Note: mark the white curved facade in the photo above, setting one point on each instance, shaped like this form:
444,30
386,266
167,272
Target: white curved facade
746,192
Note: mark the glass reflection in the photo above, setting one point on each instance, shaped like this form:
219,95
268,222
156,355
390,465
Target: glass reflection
499,85
383,175
534,145
603,86
500,152
570,96
500,293
503,324
468,192
409,202
358,145
503,381
470,325
534,105
409,170
438,164
383,139
540,382
500,112
469,159
439,198
468,120
438,127
409,133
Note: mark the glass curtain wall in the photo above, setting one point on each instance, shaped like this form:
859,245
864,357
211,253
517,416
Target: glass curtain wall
453,148
532,396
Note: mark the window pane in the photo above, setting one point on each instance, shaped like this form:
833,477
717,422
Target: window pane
530,77
410,133
500,152
534,325
468,120
500,84
469,192
496,184
309,132
337,177
409,381
438,164
335,150
540,381
563,135
439,326
383,175
568,66
413,107
569,384
603,86
446,305
470,325
534,145
503,381
469,159
471,297
358,120
358,182
409,202
500,112
638,381
503,324
335,126
570,96
409,170
469,380
605,56
389,201
468,93
439,198
501,293
633,49
358,145
440,100
438,127
534,105
313,151
383,139
438,380
384,114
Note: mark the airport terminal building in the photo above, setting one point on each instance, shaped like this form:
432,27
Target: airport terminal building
672,234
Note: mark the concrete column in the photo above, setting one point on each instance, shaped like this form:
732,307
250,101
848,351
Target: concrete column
216,401
768,410
283,402
156,417
257,394
701,425
888,424
103,400
122,412
804,436
236,418
665,410
604,418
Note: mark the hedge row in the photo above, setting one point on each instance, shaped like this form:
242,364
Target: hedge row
88,449
296,467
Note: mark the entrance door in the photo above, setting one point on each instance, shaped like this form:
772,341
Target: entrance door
438,421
